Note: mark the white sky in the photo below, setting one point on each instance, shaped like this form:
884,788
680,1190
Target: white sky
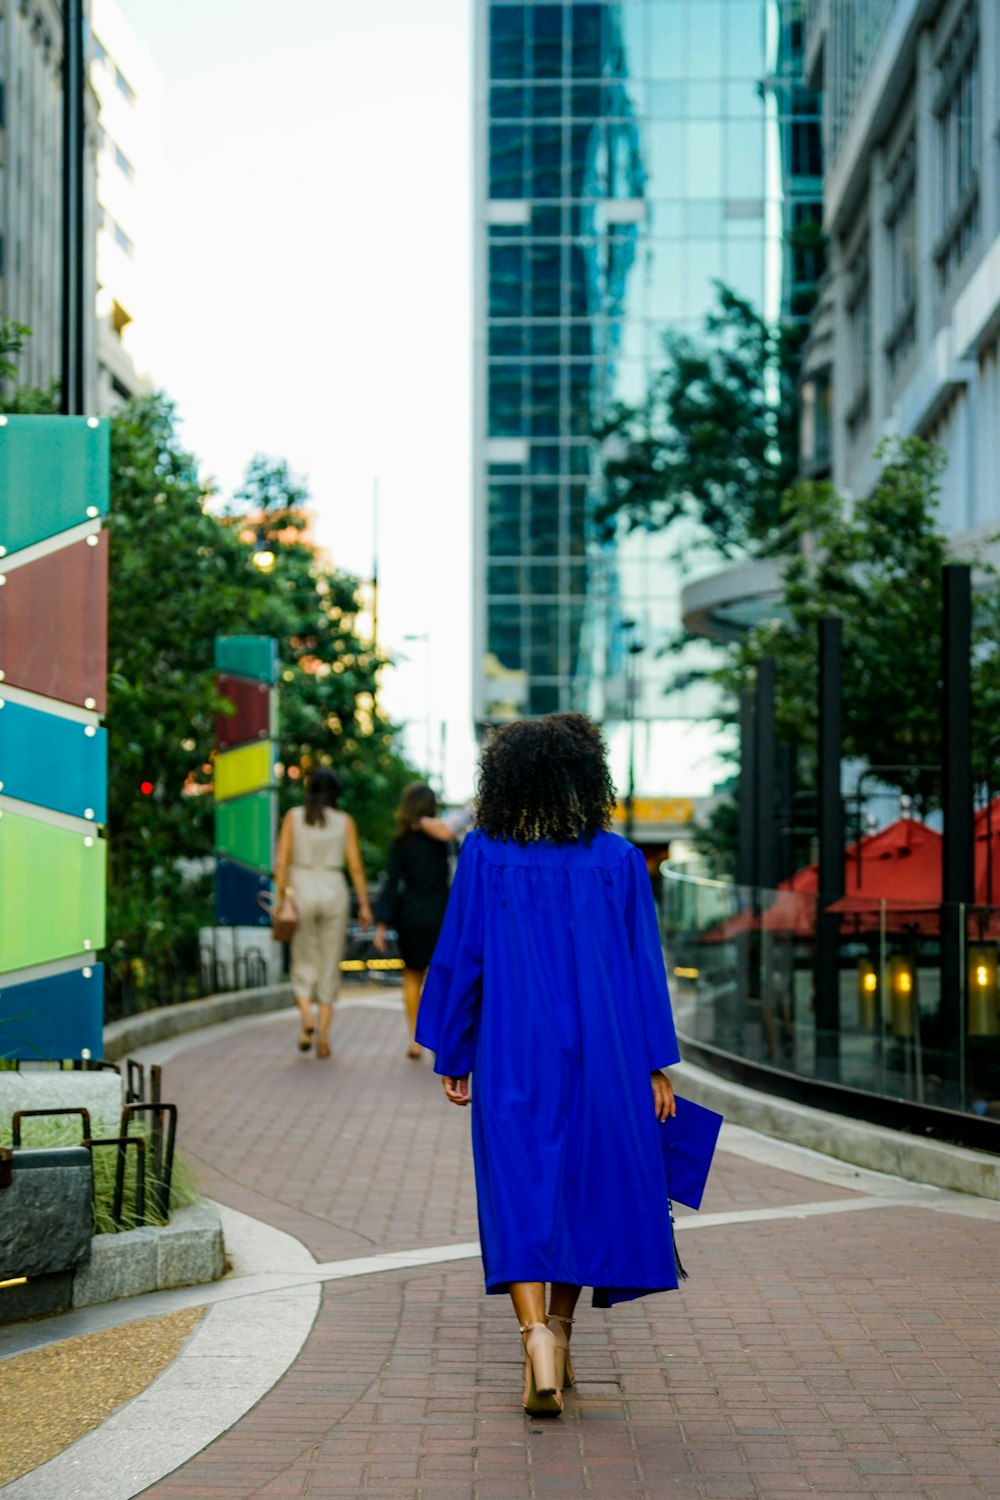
309,267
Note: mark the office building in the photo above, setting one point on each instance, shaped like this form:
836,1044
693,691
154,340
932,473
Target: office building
129,93
909,338
628,155
31,48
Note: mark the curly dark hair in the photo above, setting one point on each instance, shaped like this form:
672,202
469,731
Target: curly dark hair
545,779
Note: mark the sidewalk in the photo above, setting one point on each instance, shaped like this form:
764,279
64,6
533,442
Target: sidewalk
838,1335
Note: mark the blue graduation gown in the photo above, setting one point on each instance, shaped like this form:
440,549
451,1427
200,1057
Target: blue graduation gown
548,986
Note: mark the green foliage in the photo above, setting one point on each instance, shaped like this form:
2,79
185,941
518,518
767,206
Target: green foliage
12,337
19,399
176,582
329,680
877,564
180,576
48,1133
717,438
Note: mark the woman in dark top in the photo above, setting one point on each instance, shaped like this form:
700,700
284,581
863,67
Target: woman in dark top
415,892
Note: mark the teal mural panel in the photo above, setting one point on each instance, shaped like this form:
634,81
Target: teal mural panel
253,656
54,1018
53,762
54,474
52,892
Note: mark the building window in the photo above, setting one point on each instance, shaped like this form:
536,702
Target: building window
859,322
123,163
901,229
124,87
957,109
98,49
123,241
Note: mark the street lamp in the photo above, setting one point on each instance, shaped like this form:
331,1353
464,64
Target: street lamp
263,555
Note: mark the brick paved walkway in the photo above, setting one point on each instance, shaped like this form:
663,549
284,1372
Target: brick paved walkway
851,1350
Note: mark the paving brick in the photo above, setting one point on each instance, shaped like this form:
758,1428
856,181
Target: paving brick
850,1356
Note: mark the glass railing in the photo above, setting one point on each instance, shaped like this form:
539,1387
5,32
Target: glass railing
743,970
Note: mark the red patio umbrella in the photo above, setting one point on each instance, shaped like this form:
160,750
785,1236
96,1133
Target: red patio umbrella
900,865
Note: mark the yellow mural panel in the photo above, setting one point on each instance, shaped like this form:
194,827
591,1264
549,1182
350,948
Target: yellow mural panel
248,769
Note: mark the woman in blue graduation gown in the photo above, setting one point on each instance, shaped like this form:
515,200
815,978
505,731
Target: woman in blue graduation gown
548,987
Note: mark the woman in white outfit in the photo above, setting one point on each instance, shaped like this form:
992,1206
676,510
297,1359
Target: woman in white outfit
315,844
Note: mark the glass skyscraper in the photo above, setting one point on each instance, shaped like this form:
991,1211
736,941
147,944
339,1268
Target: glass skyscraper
627,156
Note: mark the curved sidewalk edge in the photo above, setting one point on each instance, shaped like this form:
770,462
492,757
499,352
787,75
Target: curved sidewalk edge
932,1163
239,1351
122,1038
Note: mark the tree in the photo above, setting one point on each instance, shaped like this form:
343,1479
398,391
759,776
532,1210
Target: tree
717,438
178,579
330,713
877,564
180,576
25,400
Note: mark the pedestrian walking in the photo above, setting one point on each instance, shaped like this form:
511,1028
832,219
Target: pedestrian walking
414,893
548,988
315,843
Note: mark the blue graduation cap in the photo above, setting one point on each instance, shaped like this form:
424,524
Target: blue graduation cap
688,1143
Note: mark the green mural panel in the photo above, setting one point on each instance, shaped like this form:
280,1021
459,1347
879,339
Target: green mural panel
52,884
243,830
54,474
253,656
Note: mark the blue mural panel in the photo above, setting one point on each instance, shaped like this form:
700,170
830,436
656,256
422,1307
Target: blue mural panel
53,762
236,892
54,1018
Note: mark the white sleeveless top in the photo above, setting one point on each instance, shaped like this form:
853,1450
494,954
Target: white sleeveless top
317,872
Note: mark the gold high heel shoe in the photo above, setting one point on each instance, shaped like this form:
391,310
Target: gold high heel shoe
541,1396
559,1328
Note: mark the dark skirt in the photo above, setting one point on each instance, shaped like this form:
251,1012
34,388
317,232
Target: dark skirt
417,939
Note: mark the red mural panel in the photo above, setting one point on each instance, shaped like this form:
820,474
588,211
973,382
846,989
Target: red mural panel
54,625
252,719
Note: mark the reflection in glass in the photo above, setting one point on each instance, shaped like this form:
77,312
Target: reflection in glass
596,108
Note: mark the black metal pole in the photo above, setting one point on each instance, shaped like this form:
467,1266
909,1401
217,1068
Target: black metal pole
786,809
957,868
73,212
831,848
747,794
766,874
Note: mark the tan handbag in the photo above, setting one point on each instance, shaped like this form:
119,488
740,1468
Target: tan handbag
284,917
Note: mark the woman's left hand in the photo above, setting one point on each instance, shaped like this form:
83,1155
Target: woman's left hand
663,1096
365,915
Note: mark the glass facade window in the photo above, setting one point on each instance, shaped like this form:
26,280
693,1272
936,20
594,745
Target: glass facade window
855,29
957,108
901,229
859,314
632,154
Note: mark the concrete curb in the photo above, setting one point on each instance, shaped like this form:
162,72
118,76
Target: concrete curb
863,1145
186,1252
123,1038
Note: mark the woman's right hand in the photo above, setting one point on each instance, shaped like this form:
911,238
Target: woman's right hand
457,1089
380,943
